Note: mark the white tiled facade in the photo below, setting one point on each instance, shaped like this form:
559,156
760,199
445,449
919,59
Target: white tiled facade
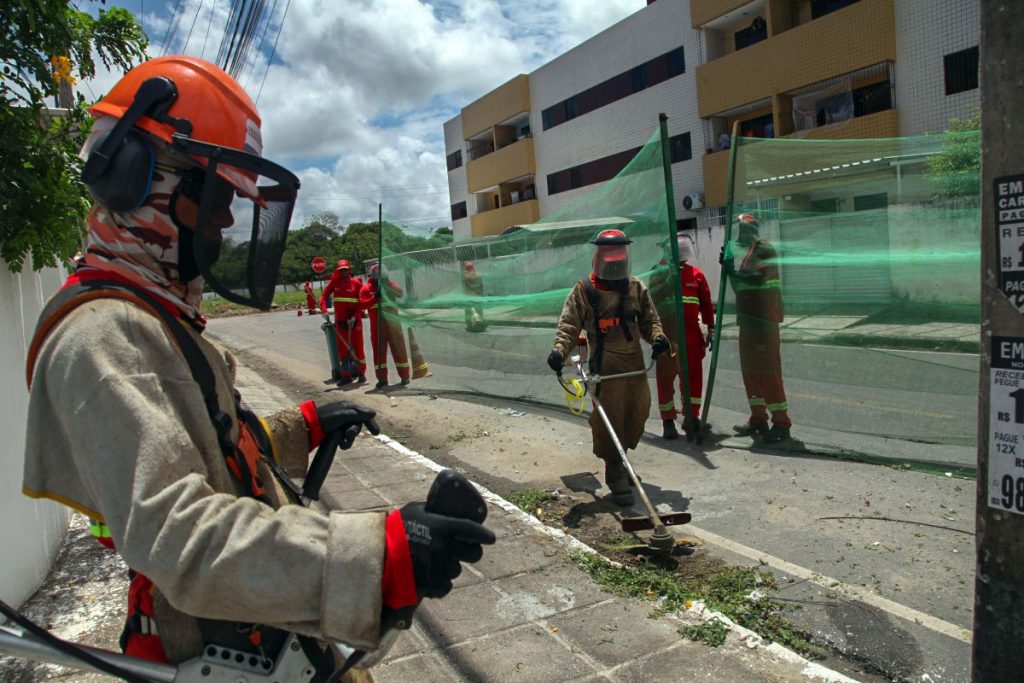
926,31
457,190
628,123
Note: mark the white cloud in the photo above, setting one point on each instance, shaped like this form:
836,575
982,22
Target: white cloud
359,90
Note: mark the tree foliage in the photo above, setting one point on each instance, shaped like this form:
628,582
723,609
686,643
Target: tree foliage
956,170
43,204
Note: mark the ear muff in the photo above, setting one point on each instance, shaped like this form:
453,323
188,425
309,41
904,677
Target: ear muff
125,182
119,169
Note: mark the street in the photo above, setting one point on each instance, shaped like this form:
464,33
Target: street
878,561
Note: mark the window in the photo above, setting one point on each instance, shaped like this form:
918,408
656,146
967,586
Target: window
639,80
596,171
454,160
617,87
676,62
867,202
871,99
679,148
820,8
458,211
760,127
755,33
683,224
961,70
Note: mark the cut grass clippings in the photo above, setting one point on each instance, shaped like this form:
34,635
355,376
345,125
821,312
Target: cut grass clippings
529,500
724,588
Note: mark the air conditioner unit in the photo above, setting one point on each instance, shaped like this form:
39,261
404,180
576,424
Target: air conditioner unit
693,201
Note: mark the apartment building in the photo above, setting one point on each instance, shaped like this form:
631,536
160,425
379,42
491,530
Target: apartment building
816,69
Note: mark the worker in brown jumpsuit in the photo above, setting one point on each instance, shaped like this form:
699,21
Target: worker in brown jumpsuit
616,311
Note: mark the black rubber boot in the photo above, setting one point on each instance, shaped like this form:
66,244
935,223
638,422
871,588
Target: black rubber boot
405,381
669,431
692,428
751,428
362,378
345,379
381,384
776,434
617,480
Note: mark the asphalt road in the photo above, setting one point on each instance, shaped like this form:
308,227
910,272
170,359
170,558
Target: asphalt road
879,561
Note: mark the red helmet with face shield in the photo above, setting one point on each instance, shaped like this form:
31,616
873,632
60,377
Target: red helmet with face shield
611,257
203,116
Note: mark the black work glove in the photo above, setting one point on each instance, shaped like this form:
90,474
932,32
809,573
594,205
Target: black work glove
659,346
437,544
721,255
555,361
349,417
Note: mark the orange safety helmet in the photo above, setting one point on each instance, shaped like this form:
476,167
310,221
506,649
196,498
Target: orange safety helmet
748,220
343,265
218,109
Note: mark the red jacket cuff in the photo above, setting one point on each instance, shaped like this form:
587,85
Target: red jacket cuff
316,432
397,583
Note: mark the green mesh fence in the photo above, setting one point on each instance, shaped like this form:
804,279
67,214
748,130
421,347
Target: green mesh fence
489,330
867,272
876,252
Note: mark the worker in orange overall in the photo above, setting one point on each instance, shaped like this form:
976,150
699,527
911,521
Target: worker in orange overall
348,324
696,300
386,332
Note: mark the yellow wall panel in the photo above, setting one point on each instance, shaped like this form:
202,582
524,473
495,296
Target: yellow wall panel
494,221
500,104
509,162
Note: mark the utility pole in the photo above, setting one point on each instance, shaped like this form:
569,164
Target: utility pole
998,654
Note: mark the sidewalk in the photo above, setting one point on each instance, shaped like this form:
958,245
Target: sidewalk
525,611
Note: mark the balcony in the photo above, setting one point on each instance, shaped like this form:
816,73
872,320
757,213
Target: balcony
512,161
503,102
791,60
494,221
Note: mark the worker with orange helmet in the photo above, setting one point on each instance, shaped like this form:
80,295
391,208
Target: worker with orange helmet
348,325
616,311
378,296
134,418
696,300
753,272
473,285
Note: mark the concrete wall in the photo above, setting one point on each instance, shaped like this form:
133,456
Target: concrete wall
927,30
33,530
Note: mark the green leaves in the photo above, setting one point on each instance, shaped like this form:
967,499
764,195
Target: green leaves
43,204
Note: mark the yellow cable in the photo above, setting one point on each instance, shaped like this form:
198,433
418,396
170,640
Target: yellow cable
575,400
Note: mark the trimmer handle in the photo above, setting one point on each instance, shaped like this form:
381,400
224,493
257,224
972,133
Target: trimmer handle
322,462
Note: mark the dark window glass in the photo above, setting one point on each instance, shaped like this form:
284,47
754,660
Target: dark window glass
761,127
576,177
830,205
458,211
571,108
872,98
866,202
679,148
616,88
820,8
454,160
961,70
639,80
686,224
754,33
676,62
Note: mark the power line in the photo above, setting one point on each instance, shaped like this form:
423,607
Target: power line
167,34
194,20
263,39
273,51
213,11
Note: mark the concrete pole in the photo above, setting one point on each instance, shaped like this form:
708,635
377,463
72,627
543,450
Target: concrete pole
998,649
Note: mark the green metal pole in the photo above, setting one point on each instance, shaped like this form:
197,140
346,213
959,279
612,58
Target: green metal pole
675,281
380,291
722,280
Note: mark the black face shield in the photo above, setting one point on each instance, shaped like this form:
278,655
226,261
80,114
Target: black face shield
236,190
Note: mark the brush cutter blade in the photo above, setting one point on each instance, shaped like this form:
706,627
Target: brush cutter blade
641,523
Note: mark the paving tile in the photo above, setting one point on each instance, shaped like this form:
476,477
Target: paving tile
688,662
523,654
422,668
615,632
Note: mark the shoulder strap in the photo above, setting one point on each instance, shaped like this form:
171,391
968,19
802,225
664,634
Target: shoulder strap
73,296
595,359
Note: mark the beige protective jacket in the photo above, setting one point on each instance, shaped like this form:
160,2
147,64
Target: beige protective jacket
117,429
627,401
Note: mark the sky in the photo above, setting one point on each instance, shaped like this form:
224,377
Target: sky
357,92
